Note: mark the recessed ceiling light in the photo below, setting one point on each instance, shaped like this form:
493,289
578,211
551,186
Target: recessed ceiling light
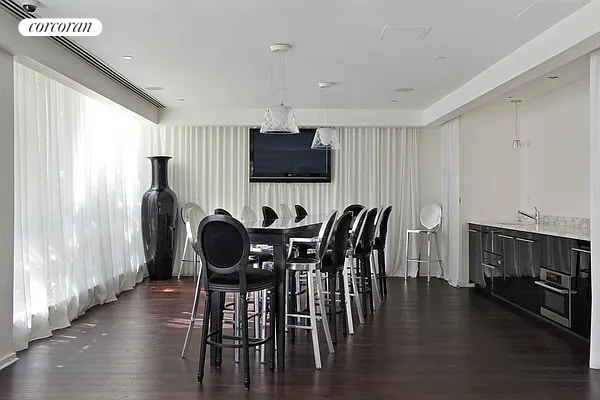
553,77
154,88
404,89
439,57
127,57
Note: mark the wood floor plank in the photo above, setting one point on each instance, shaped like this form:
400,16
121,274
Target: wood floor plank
428,341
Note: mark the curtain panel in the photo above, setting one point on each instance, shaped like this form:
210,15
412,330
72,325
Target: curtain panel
79,176
375,167
450,234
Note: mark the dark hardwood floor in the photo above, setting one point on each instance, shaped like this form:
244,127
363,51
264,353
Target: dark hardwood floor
426,342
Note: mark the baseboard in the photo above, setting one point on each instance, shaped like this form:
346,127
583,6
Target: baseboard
8,359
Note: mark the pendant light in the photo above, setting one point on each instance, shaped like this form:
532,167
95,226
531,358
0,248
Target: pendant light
517,140
326,137
280,119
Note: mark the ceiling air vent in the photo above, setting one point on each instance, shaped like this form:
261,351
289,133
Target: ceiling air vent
396,32
17,11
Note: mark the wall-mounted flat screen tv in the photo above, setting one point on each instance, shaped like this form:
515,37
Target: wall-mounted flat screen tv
287,158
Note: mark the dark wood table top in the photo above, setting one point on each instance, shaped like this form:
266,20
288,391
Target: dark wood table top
284,225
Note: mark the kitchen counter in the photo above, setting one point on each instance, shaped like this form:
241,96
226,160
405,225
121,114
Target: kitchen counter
567,231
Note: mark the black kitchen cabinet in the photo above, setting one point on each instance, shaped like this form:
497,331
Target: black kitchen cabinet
475,272
507,264
507,287
581,282
528,249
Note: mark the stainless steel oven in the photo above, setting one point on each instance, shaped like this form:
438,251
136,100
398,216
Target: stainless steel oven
556,296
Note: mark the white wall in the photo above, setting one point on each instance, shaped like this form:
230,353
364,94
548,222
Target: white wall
555,157
490,168
6,215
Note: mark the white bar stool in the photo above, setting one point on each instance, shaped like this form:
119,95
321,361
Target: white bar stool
431,218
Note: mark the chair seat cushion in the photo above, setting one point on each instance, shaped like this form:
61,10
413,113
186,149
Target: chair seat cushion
302,260
255,277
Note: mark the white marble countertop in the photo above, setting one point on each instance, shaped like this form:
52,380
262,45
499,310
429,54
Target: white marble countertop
572,232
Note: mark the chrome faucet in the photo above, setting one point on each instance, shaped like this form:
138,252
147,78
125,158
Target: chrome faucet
535,217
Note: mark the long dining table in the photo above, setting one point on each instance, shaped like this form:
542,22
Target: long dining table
277,233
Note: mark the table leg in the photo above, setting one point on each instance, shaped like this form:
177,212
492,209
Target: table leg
279,261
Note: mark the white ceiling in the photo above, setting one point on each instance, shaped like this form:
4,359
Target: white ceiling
216,53
554,80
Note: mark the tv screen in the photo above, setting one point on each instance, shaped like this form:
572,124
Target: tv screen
287,158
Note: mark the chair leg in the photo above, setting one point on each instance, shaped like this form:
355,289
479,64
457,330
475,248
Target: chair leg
324,318
428,256
374,280
203,342
437,252
219,335
272,328
237,322
346,287
263,324
406,255
313,319
363,285
366,271
340,280
357,300
331,279
185,245
382,274
193,318
245,347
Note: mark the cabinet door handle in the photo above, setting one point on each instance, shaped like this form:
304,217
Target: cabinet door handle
581,250
473,230
525,240
506,237
551,288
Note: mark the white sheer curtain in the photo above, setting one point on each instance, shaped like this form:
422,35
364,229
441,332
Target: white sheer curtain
594,202
79,176
375,167
450,235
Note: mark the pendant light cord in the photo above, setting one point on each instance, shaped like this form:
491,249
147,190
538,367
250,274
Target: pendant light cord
517,134
282,68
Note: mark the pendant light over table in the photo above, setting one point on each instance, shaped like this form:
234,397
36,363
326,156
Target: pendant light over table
326,137
280,119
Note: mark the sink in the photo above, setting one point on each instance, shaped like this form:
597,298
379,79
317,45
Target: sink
515,223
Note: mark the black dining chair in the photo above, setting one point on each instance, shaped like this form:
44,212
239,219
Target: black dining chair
354,209
379,245
333,263
362,253
310,267
269,213
224,246
300,211
222,211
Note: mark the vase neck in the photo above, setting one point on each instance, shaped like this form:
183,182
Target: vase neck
159,172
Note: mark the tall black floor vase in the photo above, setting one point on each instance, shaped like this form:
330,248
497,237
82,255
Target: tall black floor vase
159,222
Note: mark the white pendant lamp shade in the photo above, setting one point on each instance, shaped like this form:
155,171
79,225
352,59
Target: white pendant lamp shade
326,138
280,119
